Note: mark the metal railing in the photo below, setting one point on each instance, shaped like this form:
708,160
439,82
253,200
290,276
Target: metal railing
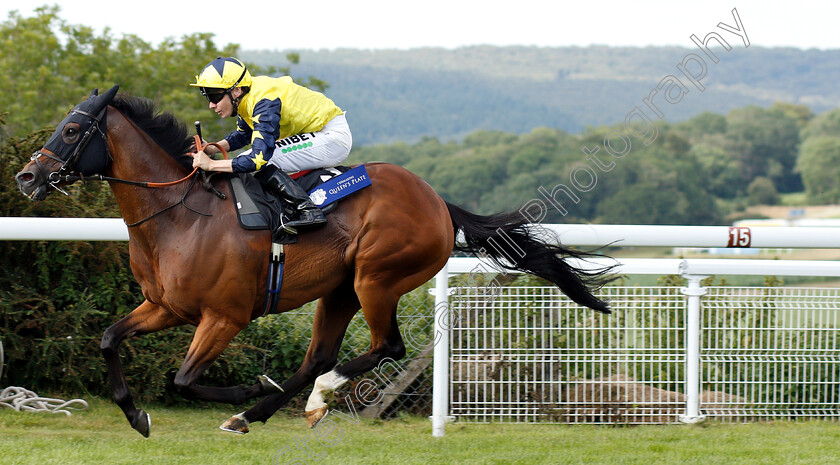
666,354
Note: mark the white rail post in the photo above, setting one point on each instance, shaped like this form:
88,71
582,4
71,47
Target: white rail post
692,349
440,380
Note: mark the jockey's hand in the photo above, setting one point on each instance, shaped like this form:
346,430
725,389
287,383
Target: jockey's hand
201,160
191,151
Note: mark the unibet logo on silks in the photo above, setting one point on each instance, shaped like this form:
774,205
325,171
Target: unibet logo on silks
340,186
297,147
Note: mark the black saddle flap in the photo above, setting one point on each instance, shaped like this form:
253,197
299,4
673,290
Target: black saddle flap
261,209
256,208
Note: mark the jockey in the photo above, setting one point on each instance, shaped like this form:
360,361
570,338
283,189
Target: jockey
289,127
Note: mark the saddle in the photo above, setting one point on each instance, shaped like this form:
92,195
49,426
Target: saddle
259,209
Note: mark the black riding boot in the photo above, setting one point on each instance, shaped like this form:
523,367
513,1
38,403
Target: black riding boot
308,215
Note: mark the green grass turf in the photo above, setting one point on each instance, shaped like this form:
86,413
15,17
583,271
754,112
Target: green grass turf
101,435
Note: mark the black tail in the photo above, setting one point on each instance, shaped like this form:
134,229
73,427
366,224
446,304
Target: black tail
510,243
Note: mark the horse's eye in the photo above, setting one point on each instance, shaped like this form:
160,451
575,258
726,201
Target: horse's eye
70,134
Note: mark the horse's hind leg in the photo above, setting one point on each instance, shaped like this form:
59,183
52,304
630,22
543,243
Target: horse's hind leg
145,319
332,316
382,277
211,338
386,345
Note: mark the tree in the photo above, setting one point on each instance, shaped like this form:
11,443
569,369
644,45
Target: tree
645,203
800,113
723,171
702,125
762,192
464,177
819,164
826,124
766,142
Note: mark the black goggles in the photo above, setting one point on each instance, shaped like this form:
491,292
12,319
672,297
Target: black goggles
214,97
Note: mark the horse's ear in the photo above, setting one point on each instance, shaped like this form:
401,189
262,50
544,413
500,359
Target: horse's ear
93,93
106,98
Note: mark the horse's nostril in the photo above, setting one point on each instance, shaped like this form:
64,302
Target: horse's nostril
25,177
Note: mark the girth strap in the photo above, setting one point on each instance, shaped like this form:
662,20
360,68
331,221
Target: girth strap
275,278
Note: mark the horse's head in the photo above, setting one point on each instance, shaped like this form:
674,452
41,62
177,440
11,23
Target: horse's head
78,147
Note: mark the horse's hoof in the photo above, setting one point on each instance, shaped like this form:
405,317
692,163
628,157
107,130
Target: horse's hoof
268,384
314,416
236,424
142,423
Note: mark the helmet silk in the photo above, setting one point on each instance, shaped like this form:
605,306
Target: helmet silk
223,73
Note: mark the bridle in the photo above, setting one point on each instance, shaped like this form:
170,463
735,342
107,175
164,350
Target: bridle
69,174
68,165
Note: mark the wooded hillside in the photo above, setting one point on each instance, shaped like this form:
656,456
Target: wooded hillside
403,95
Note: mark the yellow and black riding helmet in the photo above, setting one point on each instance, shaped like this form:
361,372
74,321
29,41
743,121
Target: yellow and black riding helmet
220,76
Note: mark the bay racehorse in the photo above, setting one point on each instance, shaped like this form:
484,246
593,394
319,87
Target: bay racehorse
196,266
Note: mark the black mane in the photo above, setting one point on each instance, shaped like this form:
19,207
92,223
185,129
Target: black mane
164,128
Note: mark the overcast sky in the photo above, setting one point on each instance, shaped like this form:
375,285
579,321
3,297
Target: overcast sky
376,24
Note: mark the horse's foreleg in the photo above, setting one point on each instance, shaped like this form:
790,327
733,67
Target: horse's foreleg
332,316
145,319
